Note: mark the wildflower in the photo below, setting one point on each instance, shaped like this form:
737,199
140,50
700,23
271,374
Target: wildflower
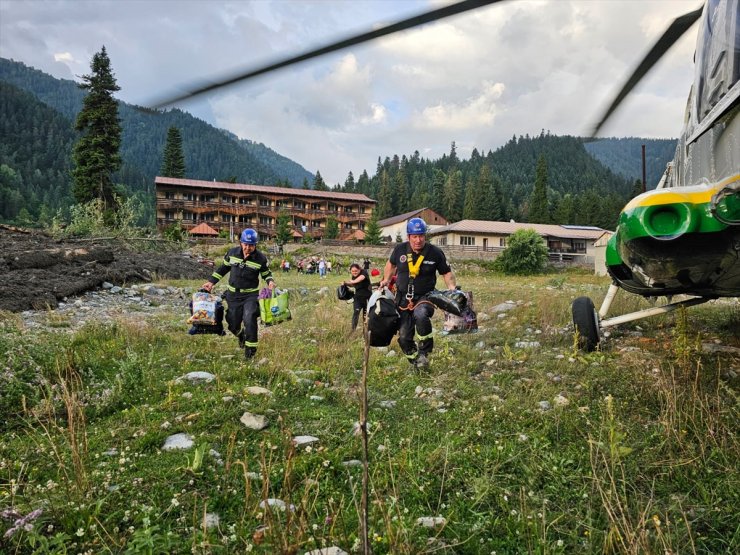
174,502
559,543
80,532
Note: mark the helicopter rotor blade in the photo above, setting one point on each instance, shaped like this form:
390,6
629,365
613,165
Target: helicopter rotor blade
415,21
674,31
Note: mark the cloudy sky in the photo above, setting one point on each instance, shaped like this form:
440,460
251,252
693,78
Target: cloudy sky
479,78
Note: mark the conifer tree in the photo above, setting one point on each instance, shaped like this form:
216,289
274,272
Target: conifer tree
318,182
372,230
96,154
332,228
349,183
283,232
384,207
539,211
452,196
173,161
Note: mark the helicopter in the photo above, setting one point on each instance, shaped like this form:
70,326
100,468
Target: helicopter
683,238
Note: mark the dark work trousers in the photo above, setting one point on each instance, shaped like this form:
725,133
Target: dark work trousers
416,324
360,307
243,310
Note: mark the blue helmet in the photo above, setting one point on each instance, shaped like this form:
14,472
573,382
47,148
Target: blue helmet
249,237
416,226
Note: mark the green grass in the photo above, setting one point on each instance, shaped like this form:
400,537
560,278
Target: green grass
642,458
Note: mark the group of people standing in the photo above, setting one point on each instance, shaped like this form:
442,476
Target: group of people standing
412,269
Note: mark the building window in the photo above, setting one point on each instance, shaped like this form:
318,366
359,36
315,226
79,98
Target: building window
188,216
362,209
298,205
245,200
169,214
245,219
362,226
502,241
170,195
467,241
265,220
348,209
209,217
206,198
442,241
188,196
282,203
347,226
579,246
265,202
315,206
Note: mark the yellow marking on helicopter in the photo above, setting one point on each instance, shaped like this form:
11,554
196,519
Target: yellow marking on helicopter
694,194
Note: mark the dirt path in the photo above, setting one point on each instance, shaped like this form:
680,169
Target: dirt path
37,271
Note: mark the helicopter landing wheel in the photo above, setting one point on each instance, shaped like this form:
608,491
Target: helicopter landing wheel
586,322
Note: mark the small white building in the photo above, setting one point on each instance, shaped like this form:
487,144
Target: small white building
567,243
395,226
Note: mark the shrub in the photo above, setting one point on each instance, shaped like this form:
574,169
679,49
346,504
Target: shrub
525,254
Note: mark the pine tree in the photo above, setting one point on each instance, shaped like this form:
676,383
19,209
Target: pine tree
173,161
539,211
349,183
283,232
384,207
372,230
452,194
332,228
318,182
96,154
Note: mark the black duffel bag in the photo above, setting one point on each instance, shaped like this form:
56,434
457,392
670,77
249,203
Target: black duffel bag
383,319
344,293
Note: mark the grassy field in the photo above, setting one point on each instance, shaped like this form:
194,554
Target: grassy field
518,447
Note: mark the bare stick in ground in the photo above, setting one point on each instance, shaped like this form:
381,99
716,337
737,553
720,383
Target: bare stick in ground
365,532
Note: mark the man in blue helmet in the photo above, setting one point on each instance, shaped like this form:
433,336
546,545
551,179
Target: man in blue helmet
246,264
416,264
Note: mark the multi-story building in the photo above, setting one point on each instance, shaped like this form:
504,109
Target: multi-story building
234,206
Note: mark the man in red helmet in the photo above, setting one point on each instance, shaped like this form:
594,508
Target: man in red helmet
416,264
246,264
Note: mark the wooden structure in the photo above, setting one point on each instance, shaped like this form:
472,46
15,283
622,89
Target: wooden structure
235,206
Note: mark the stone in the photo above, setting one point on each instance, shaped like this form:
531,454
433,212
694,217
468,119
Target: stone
561,401
254,421
431,521
299,441
333,550
211,520
177,441
544,405
504,307
196,377
257,390
352,462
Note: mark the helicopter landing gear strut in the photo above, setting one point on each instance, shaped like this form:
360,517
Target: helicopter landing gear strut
589,324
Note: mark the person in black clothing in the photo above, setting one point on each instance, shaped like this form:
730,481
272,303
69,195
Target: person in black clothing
363,290
366,264
416,264
246,264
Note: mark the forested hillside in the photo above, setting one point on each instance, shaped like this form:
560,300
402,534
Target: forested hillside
210,153
498,185
492,185
34,157
624,156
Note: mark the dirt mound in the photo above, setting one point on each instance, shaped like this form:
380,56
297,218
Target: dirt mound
37,271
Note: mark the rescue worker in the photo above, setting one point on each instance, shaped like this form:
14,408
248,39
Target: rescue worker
363,290
246,265
416,263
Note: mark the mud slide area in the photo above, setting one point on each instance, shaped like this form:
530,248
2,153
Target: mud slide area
37,271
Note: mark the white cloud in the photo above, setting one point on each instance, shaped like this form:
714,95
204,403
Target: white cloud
507,69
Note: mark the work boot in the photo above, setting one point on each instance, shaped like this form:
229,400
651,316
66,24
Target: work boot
422,362
249,353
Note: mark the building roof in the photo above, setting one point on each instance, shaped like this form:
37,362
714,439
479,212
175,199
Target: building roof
203,229
507,228
400,218
359,235
240,187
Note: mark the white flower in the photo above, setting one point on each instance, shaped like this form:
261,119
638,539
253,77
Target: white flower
80,532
